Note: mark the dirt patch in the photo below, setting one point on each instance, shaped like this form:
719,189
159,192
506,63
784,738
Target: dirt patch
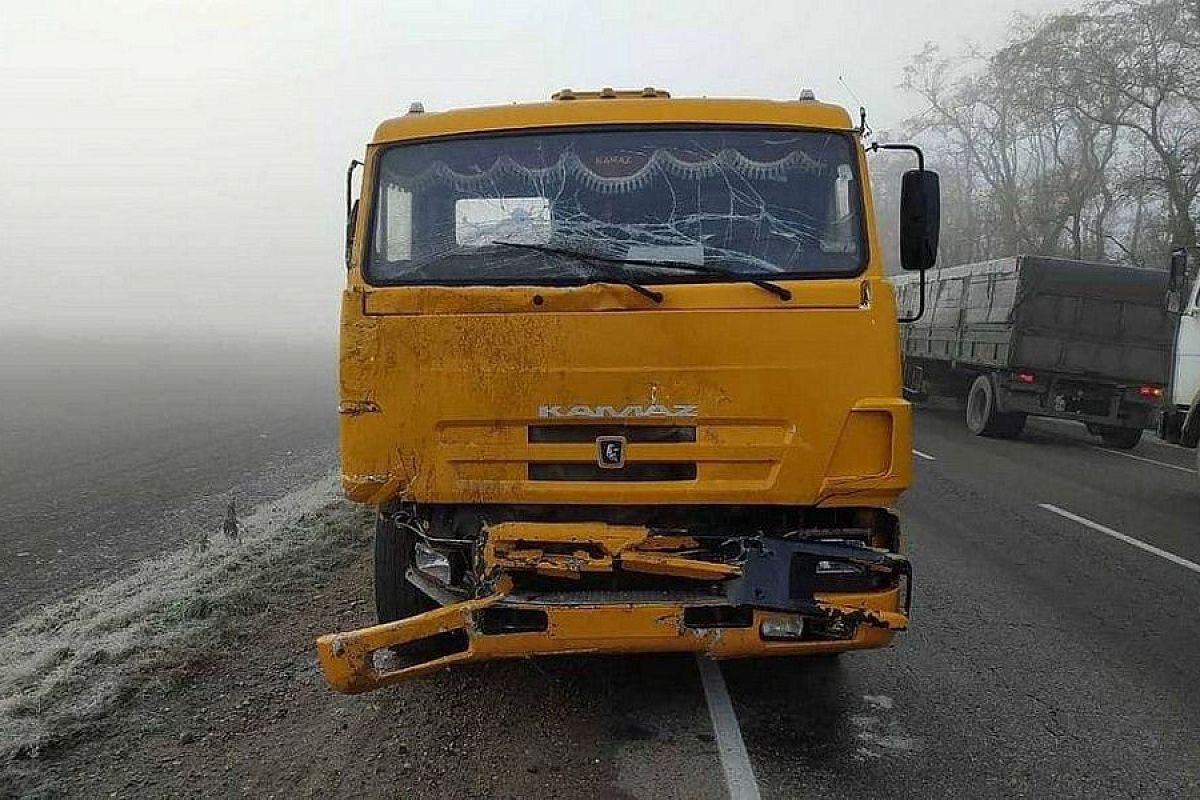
67,669
222,696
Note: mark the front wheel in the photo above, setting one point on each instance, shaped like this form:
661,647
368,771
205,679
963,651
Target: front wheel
1121,438
395,597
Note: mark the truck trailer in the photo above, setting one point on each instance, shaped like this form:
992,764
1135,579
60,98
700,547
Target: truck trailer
620,373
1031,336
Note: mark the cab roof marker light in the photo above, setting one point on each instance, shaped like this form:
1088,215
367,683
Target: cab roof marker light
610,93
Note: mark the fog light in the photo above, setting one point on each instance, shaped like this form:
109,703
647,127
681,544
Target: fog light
432,563
782,628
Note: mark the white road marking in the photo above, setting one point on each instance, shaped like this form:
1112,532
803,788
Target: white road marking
1145,460
1138,543
925,456
739,774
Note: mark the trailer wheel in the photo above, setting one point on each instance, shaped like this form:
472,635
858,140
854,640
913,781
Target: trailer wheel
1121,438
982,417
395,597
1010,426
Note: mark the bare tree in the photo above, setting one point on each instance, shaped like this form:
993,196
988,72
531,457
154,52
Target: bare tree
1080,137
1135,65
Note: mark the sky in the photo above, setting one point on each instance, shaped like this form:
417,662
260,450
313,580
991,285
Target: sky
172,167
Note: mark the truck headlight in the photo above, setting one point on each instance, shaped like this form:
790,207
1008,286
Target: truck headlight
432,563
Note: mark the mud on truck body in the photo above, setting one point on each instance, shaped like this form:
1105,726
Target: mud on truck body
621,374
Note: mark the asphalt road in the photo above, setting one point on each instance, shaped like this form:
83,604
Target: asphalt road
1053,653
1047,659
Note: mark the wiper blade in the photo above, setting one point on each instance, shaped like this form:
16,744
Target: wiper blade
596,261
773,288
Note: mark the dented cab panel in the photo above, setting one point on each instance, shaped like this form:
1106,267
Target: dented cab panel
449,407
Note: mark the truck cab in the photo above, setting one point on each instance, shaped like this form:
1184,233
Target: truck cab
620,373
1180,421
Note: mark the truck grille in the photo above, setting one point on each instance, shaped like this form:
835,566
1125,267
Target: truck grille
559,458
635,471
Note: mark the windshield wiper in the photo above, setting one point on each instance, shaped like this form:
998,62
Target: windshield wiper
611,276
706,269
773,288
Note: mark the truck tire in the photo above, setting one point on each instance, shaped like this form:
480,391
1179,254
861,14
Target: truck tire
983,419
1121,438
395,597
1010,426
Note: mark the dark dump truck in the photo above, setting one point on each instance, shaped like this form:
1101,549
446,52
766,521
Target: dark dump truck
1047,337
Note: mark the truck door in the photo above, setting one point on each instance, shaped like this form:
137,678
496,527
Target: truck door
1186,381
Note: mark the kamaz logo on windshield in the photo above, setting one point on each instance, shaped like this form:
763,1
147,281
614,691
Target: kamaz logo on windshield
618,412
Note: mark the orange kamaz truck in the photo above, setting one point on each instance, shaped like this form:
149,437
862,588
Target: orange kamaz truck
621,374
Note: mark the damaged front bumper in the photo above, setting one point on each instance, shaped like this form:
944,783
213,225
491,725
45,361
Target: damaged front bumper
767,603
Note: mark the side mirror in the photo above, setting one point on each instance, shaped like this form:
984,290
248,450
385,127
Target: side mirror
350,219
1179,260
351,208
920,219
1177,280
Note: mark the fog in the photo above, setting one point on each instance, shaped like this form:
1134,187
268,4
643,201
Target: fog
171,167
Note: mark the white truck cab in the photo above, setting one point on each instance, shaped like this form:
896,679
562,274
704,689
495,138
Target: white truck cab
1181,415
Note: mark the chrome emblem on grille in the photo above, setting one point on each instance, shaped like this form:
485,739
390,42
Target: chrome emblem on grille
610,452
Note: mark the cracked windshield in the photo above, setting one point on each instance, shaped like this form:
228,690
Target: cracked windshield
536,208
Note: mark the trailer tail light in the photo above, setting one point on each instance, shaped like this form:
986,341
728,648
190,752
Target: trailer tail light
1026,377
1150,391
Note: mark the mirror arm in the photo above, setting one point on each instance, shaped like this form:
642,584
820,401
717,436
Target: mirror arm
354,164
920,305
910,147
